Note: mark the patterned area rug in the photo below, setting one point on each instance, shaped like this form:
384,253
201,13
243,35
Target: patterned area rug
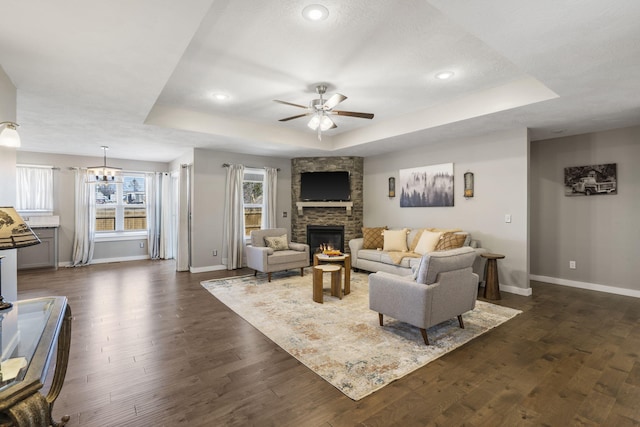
341,340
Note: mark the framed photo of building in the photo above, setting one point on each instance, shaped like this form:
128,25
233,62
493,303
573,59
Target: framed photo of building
427,186
591,180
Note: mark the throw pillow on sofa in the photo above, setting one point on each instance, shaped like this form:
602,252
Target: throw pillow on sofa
395,240
372,237
277,243
451,241
428,242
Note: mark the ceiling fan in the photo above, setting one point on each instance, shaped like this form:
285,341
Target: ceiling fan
321,109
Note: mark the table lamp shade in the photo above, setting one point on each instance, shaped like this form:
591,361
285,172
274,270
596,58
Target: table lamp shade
14,232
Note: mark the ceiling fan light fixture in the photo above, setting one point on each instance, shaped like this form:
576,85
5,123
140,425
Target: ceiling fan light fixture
314,122
315,12
325,123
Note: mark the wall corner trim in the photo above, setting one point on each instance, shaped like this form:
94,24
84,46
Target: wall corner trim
525,292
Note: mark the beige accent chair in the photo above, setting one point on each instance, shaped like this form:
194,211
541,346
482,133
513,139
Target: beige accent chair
266,260
444,287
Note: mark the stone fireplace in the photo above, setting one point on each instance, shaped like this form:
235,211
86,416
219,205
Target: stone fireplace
328,214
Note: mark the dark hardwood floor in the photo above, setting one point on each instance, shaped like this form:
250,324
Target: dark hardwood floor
151,347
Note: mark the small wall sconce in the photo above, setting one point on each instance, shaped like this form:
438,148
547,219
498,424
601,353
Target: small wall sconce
9,135
468,185
392,187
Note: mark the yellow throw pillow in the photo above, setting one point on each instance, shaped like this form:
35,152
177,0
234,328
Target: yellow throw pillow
277,243
428,241
450,241
372,237
395,240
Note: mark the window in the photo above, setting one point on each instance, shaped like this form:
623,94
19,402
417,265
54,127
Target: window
253,200
122,207
34,189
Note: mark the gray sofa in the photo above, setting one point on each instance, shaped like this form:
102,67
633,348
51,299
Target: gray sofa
444,287
375,260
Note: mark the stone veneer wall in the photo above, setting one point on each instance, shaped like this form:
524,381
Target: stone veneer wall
328,215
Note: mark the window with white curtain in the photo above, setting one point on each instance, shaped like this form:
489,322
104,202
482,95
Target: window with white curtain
252,189
34,189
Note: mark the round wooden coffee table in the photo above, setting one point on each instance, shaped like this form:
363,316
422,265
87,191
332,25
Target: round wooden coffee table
492,285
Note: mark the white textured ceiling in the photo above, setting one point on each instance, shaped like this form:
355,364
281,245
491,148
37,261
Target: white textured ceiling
138,76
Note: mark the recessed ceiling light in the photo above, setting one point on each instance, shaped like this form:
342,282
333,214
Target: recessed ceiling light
315,12
220,96
444,75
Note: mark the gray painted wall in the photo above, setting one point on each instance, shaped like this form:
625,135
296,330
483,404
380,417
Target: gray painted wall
600,233
500,165
208,200
63,201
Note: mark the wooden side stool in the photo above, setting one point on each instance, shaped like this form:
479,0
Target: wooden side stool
336,286
492,285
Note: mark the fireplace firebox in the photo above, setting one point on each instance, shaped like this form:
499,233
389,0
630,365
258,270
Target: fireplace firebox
323,236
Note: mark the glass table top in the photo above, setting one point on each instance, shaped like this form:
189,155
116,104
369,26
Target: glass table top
21,329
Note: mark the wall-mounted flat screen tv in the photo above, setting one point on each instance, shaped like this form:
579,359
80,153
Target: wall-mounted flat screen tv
329,186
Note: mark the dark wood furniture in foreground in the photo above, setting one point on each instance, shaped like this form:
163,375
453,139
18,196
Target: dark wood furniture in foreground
30,332
492,285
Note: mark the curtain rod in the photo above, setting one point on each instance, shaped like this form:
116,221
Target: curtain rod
20,165
226,165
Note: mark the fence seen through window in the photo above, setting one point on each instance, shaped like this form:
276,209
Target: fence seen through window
122,207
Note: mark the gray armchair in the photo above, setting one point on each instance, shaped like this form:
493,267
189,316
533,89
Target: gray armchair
444,287
262,258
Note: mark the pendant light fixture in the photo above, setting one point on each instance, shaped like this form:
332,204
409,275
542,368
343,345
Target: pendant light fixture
104,174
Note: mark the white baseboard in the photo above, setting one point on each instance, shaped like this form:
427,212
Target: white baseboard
207,268
585,285
525,292
108,260
120,259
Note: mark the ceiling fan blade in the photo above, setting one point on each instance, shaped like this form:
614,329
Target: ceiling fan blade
353,114
294,117
290,103
333,101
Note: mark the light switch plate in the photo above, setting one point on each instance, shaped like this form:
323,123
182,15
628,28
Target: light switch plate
507,218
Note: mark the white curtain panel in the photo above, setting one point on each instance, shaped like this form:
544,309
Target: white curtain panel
34,188
269,196
233,226
152,188
85,211
183,261
167,218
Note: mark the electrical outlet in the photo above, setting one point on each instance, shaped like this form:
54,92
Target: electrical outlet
572,265
142,244
215,253
284,214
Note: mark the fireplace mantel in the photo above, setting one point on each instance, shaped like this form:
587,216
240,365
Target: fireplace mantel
302,205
